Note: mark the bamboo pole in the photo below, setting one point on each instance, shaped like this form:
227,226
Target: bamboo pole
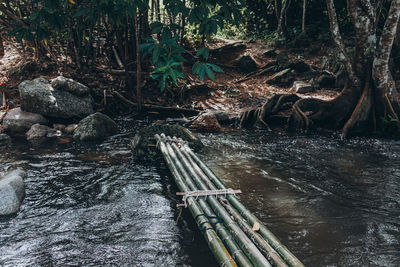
212,239
264,231
237,254
252,252
267,250
263,245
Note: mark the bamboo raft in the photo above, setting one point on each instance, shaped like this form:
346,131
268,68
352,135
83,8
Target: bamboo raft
234,235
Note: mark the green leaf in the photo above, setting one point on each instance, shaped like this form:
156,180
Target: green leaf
210,73
215,67
204,52
155,75
81,12
161,84
196,67
156,27
156,53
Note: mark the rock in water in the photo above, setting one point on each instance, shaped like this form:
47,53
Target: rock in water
69,100
18,122
60,127
70,128
12,191
37,131
206,122
222,117
143,144
246,64
95,127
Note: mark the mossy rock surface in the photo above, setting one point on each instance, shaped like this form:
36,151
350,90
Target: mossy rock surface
143,143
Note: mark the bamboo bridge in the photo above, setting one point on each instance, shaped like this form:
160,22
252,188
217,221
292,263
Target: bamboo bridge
234,235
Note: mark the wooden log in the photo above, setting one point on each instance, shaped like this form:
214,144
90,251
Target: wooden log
150,107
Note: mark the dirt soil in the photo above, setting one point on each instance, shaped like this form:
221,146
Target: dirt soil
223,94
9,61
236,97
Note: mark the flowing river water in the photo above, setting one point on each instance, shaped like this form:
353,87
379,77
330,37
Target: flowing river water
332,202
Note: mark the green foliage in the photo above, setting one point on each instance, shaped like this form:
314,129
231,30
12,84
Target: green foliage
204,52
168,72
50,18
207,17
389,120
85,21
165,55
40,23
201,69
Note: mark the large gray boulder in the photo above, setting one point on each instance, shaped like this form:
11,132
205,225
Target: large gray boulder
12,191
18,122
68,99
95,127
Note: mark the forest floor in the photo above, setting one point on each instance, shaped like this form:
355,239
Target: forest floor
225,93
229,94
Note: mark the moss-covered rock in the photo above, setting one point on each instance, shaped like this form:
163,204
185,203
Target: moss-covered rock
143,143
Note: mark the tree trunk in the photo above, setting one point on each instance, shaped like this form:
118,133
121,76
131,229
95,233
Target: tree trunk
369,101
303,21
138,89
278,10
282,18
383,80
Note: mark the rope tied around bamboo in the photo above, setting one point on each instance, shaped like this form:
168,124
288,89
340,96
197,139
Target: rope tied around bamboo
205,193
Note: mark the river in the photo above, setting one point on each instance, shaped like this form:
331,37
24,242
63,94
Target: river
332,202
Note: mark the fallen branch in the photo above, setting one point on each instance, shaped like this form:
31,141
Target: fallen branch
255,74
236,45
117,72
156,108
117,58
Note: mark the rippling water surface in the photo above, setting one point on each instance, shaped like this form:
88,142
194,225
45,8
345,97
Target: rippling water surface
332,202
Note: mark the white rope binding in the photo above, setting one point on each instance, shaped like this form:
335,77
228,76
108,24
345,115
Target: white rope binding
205,193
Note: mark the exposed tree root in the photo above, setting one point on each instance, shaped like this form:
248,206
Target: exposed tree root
272,107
